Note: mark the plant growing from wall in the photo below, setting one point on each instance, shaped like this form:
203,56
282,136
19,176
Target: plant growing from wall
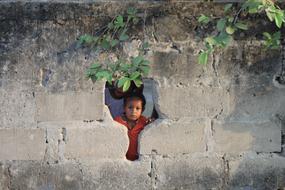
232,22
120,70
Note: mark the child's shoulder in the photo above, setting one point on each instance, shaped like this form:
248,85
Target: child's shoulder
143,119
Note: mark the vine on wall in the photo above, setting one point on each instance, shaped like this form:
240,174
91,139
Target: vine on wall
120,70
232,22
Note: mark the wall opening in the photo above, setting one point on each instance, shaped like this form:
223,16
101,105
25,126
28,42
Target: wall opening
114,100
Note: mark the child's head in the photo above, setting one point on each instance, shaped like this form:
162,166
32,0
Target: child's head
134,105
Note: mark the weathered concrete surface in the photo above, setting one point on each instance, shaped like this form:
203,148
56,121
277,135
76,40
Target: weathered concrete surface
4,177
176,102
235,137
117,174
70,106
177,137
252,171
257,101
108,174
189,172
39,55
96,142
22,144
17,107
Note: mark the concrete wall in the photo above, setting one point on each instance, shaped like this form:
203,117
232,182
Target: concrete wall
220,124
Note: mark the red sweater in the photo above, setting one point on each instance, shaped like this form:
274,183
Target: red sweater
133,133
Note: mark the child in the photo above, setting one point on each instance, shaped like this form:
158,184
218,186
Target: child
133,119
114,97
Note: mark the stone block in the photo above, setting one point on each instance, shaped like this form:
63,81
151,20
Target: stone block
18,107
176,67
99,175
189,172
235,137
262,96
177,102
96,142
42,176
22,144
182,136
252,171
117,174
70,106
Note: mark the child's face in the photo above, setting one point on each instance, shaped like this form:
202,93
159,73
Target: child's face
133,109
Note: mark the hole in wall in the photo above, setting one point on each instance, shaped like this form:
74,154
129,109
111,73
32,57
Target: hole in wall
114,99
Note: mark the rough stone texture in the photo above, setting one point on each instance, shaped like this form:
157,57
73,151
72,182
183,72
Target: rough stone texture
4,177
76,175
117,174
96,142
176,102
189,172
264,171
170,138
41,176
72,106
39,54
17,107
22,144
264,97
235,137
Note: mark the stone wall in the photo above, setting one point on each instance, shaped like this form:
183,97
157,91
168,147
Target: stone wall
220,125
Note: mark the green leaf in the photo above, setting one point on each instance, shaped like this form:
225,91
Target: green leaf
122,81
222,39
221,24
230,19
123,37
230,30
270,15
241,26
203,57
266,35
138,82
227,7
119,22
125,67
279,19
145,70
135,75
95,66
127,85
104,75
204,19
87,39
277,35
105,44
137,60
145,62
114,42
211,40
132,11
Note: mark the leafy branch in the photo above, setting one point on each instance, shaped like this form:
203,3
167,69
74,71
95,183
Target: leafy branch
226,26
109,38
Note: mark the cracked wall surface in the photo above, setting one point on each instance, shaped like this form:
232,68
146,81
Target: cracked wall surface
220,126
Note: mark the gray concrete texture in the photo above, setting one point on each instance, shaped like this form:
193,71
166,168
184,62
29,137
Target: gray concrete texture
195,171
219,123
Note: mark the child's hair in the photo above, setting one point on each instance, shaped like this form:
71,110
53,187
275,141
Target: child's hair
135,96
